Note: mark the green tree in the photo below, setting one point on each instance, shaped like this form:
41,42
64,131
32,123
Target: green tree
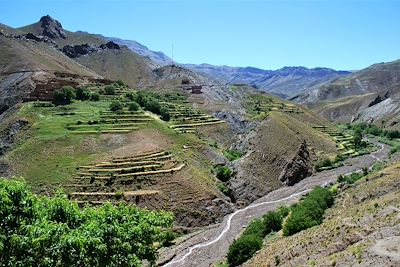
243,249
164,113
82,93
133,106
109,90
43,231
64,96
94,97
116,105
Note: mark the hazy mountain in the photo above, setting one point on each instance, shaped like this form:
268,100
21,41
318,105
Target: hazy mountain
287,81
371,94
155,56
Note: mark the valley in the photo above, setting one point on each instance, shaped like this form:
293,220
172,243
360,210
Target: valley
176,162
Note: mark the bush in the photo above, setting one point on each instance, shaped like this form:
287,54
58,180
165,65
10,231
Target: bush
64,95
223,188
116,105
153,106
120,83
323,163
257,228
133,106
130,96
392,134
164,113
43,231
243,249
394,149
223,173
94,97
109,90
232,154
309,211
82,93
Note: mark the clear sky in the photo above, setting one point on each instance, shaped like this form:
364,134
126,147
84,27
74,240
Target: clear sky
342,34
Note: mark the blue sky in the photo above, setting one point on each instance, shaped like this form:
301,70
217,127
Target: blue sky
342,34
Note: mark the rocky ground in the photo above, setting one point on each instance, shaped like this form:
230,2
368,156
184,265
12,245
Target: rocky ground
210,245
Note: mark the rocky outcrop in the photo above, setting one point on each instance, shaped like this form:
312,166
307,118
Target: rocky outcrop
9,135
74,51
378,99
52,28
297,168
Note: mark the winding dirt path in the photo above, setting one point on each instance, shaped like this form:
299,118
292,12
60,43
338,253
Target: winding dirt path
212,244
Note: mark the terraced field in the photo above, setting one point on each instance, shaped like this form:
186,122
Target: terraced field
122,179
110,122
261,105
186,119
344,142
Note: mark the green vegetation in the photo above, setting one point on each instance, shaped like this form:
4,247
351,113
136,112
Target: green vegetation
94,97
42,231
232,155
243,249
82,93
309,211
133,106
223,173
109,90
374,130
64,96
250,241
116,105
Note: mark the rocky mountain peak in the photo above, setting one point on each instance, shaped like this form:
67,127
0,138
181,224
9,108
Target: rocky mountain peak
52,28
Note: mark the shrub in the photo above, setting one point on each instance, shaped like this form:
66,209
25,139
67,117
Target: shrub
309,211
109,90
115,105
257,228
82,93
133,106
164,113
223,188
243,249
323,163
153,106
120,83
130,96
64,95
232,154
223,173
273,221
94,97
394,149
392,134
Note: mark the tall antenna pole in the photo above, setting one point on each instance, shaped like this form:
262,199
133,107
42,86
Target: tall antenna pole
172,48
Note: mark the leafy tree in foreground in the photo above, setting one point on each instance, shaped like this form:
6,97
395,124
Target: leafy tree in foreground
41,231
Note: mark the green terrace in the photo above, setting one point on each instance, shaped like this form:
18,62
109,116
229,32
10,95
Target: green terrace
186,119
261,105
344,141
123,177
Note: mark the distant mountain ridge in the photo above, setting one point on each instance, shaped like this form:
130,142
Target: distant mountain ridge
287,81
368,95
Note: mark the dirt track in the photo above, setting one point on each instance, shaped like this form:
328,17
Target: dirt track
212,244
